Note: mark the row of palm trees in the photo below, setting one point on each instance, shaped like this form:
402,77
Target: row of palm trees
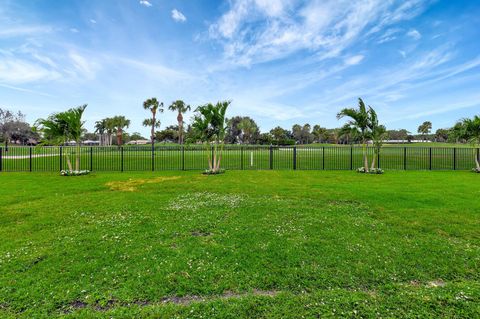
155,107
106,127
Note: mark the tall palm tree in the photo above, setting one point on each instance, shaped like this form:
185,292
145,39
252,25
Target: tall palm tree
154,106
120,123
180,107
471,132
359,121
62,127
378,134
209,124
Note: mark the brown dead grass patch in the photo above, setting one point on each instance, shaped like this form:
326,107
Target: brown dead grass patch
132,185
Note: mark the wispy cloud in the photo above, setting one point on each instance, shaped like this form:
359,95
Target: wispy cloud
8,32
145,3
256,31
178,16
414,34
16,71
353,60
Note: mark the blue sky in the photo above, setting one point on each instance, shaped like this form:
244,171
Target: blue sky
280,62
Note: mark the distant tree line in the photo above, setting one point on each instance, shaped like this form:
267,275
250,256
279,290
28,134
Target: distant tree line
239,130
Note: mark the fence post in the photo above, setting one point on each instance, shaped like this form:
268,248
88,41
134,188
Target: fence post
323,158
183,157
294,157
1,151
405,158
91,158
454,158
121,157
478,153
61,158
351,157
430,158
271,157
241,157
30,151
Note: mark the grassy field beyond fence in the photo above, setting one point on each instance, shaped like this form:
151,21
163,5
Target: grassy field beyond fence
143,158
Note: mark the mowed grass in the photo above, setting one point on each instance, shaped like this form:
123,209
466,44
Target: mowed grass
246,244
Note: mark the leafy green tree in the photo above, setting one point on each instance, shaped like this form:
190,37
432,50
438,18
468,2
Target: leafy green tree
12,123
62,127
359,125
425,129
248,128
180,107
280,135
470,130
210,124
154,107
319,133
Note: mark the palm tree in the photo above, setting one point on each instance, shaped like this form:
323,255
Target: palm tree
209,125
100,129
181,108
248,129
425,128
378,134
154,106
119,122
471,132
359,121
62,127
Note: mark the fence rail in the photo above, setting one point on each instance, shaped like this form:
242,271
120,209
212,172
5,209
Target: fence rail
194,157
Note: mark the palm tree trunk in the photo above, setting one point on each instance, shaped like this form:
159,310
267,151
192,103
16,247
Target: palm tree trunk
77,157
373,161
180,127
152,132
476,159
365,159
119,136
69,163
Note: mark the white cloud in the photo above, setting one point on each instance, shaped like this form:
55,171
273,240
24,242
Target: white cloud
256,31
84,67
145,3
16,71
402,53
93,21
74,30
353,60
11,32
414,34
178,16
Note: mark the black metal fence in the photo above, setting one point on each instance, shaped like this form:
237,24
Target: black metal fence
234,157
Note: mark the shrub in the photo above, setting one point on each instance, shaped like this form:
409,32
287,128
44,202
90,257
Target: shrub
213,172
370,171
73,173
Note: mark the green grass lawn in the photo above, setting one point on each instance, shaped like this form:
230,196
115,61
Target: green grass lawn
245,244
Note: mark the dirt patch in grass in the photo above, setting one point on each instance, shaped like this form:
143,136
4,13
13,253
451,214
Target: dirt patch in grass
184,300
132,185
